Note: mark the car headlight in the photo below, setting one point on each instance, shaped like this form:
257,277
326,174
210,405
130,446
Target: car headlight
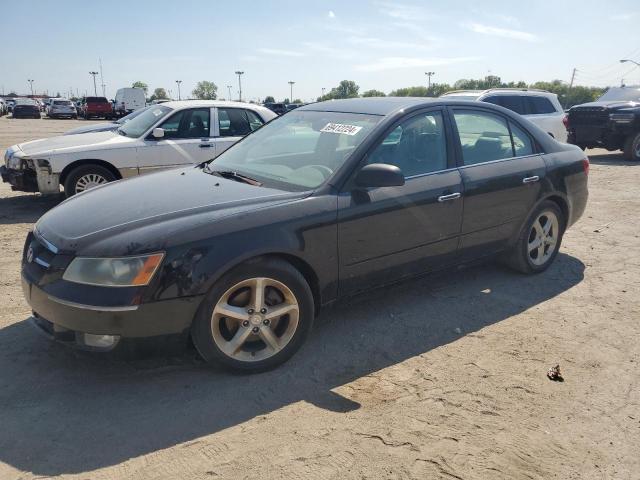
622,117
114,272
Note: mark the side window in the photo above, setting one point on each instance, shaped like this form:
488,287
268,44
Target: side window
416,146
190,123
255,122
483,136
512,102
233,122
540,105
521,141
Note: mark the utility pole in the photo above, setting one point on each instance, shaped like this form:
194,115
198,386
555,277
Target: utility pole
239,73
291,85
428,74
229,89
573,77
95,88
178,82
31,85
323,89
102,78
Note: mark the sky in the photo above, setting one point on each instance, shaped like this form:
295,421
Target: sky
381,45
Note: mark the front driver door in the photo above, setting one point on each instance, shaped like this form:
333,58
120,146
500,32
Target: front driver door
387,233
186,141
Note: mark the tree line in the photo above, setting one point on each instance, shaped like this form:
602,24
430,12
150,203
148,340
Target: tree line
568,96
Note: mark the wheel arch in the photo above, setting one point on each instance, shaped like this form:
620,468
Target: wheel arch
90,161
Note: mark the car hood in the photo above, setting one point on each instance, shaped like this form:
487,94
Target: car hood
64,143
609,105
96,127
157,207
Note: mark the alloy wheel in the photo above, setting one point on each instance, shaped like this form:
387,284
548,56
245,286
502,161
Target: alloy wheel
88,181
543,238
255,319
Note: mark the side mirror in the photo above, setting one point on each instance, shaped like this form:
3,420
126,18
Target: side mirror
380,175
157,133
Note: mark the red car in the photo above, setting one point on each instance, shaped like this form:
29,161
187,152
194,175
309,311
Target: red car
97,107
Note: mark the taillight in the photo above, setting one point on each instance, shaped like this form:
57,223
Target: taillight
585,165
565,122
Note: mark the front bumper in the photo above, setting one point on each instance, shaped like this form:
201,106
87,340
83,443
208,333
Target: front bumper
71,320
22,180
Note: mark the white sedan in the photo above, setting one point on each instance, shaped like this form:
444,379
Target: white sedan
169,135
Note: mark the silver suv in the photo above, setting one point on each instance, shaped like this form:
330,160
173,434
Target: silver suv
539,106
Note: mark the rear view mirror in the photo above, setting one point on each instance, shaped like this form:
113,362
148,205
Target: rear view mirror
157,133
380,175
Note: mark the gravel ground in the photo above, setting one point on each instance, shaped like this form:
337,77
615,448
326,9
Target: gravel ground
442,377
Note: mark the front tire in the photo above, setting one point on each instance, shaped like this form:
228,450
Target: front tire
255,317
539,241
86,177
631,148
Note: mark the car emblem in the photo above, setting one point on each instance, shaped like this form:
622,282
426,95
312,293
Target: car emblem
30,254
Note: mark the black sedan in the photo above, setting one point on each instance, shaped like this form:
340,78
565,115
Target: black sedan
328,200
26,108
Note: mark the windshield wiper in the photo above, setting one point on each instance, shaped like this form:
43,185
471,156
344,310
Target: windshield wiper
230,174
121,132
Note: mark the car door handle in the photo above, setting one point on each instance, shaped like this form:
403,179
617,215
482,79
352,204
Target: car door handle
533,179
206,145
446,198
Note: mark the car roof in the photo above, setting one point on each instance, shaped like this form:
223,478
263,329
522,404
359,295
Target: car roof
178,104
501,91
369,105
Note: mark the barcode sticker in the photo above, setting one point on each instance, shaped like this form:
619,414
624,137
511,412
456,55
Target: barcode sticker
340,128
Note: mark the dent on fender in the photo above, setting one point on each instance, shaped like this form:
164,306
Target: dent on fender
48,182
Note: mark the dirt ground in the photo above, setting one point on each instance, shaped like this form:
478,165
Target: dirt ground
443,377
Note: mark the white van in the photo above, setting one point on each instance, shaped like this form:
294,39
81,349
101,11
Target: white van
128,100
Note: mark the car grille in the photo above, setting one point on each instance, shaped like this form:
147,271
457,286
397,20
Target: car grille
592,116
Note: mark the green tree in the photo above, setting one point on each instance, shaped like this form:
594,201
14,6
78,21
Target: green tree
286,100
373,93
158,93
346,89
419,91
205,90
141,85
269,99
297,100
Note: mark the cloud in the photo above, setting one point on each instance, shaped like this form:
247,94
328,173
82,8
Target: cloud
332,14
281,53
379,43
401,11
393,63
623,17
501,32
331,51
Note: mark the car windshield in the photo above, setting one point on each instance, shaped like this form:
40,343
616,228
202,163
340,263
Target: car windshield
132,115
298,151
143,122
623,94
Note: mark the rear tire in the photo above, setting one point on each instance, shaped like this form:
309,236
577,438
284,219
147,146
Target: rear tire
631,148
539,242
253,337
86,177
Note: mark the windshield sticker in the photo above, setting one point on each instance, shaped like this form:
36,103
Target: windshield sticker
157,112
340,128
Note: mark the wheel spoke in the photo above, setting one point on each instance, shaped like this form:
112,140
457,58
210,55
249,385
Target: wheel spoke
229,311
280,310
535,244
257,294
547,228
238,340
540,257
269,338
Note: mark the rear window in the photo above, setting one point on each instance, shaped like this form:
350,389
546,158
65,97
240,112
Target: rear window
540,105
512,102
97,100
62,102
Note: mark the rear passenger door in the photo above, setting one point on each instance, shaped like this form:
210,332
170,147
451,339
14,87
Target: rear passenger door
501,172
232,124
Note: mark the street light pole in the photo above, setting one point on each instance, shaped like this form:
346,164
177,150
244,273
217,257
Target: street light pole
291,85
323,89
624,60
178,82
428,74
31,86
229,90
95,88
239,73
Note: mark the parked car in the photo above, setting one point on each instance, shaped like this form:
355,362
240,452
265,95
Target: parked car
292,106
107,126
245,249
539,106
61,108
128,100
278,108
611,122
25,108
96,107
10,103
3,108
165,136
